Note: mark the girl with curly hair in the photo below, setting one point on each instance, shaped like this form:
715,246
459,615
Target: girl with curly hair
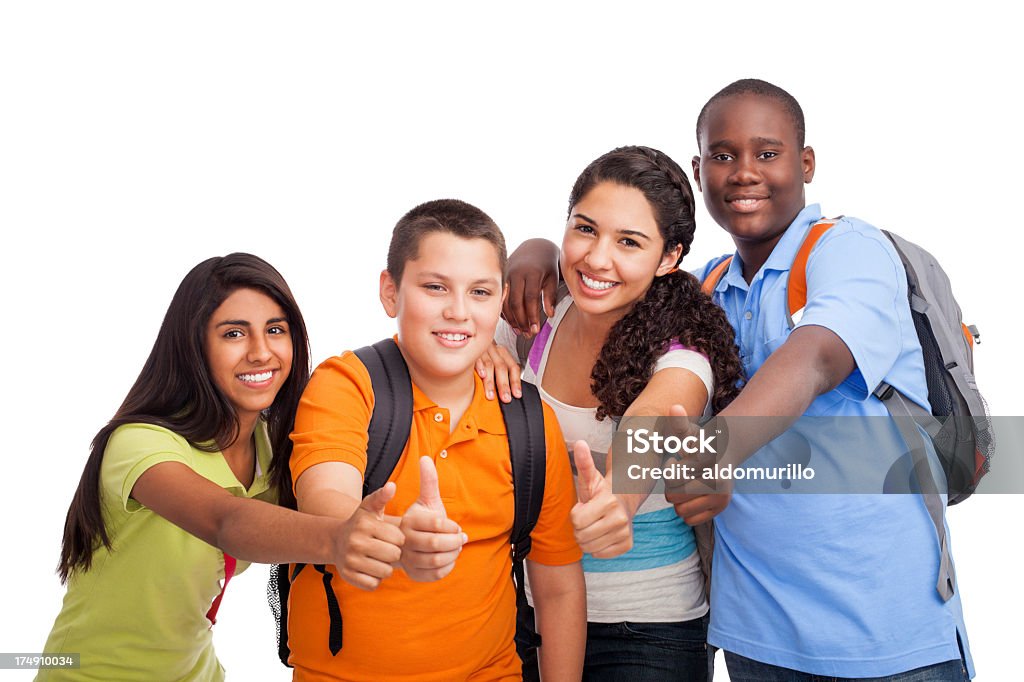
633,335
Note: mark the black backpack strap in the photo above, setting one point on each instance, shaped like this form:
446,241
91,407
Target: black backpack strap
524,422
333,610
391,421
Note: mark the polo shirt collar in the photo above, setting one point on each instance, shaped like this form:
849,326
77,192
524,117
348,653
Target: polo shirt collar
781,257
481,415
785,251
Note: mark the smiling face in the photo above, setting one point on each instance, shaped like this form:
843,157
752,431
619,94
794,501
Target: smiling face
248,349
752,171
612,250
447,307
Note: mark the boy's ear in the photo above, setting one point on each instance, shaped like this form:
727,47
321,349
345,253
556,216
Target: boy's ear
696,172
388,294
669,260
807,160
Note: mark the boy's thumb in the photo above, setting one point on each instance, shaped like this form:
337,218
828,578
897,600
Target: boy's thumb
588,478
430,494
378,499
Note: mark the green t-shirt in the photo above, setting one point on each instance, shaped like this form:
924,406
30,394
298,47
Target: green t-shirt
139,613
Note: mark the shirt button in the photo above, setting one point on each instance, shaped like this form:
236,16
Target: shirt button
747,315
438,417
444,454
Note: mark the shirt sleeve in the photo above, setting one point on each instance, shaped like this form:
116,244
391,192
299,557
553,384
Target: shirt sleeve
505,337
333,416
855,285
552,541
689,359
131,450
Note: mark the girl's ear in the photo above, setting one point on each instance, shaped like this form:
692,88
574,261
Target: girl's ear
504,294
669,260
388,294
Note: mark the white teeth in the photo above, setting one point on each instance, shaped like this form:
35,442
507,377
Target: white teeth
454,337
595,284
255,378
747,202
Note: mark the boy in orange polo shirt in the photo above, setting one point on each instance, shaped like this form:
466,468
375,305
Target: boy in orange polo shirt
444,518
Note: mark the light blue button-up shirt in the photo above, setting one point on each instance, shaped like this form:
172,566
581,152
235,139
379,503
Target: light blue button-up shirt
832,584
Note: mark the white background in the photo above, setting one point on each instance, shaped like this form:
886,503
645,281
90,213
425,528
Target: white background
137,139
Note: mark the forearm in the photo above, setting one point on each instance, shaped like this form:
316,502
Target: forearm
563,637
260,532
329,489
812,362
327,502
537,251
560,603
666,391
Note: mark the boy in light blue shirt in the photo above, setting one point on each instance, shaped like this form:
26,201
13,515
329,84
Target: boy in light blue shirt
839,585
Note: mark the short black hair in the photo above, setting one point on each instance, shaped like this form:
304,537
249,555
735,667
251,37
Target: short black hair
754,86
441,215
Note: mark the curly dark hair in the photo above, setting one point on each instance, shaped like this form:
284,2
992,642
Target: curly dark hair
674,309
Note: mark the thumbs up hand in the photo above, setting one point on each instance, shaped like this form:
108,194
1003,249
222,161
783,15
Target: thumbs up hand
603,525
369,544
432,540
694,502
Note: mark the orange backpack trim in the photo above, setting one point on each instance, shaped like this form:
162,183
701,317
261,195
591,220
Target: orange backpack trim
968,334
711,281
796,287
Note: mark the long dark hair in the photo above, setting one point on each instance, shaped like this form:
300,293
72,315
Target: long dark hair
674,308
175,390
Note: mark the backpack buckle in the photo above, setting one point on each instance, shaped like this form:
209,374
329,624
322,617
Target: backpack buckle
883,392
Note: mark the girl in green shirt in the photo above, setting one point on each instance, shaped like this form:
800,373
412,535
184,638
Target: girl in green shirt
178,492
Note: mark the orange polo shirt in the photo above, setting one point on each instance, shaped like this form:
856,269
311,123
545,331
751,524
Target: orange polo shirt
462,626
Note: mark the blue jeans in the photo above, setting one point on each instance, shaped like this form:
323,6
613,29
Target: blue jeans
647,652
746,670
